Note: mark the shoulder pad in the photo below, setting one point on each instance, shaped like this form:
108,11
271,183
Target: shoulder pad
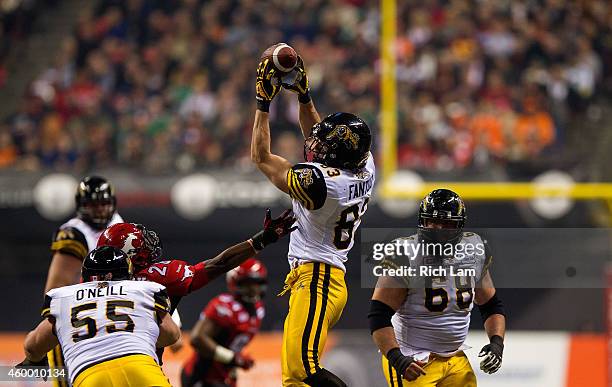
70,240
307,185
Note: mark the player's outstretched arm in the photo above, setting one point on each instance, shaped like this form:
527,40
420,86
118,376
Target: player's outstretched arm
202,340
274,167
308,115
494,319
273,230
39,341
387,298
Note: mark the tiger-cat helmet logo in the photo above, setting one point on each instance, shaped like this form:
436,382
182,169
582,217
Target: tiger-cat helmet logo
346,135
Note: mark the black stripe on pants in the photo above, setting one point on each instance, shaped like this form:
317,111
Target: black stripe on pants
325,294
311,313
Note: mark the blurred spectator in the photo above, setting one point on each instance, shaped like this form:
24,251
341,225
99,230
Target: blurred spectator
8,151
533,130
495,82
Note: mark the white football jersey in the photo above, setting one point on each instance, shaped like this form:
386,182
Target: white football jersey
78,238
435,316
328,204
102,320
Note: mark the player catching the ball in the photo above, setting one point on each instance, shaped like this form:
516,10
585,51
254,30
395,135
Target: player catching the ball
330,193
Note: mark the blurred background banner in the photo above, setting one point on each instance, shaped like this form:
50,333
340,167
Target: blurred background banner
506,102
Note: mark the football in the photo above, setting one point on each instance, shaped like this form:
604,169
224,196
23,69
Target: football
283,56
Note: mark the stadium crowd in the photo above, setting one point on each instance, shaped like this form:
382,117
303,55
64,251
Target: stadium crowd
16,21
169,86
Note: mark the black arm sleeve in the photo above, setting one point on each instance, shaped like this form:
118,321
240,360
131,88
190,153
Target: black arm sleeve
380,315
491,307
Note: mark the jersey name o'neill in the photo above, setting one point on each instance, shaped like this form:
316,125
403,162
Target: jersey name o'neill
102,320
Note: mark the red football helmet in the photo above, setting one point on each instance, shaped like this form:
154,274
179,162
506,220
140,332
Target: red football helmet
141,245
248,281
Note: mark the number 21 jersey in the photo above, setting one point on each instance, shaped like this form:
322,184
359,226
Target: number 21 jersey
328,204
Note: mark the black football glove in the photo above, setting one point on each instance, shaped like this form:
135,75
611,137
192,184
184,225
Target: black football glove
267,85
406,366
273,229
300,86
492,353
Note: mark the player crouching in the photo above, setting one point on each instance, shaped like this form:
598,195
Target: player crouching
226,325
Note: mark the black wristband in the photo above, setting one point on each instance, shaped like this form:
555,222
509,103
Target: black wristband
496,339
398,361
304,98
263,105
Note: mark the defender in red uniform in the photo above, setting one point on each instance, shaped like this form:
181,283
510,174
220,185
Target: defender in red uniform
226,325
144,248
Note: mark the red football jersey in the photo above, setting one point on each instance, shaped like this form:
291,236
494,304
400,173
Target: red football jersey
179,277
238,327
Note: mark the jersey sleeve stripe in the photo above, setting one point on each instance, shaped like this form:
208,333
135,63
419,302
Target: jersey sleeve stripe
162,308
310,204
46,308
298,191
291,181
73,247
161,301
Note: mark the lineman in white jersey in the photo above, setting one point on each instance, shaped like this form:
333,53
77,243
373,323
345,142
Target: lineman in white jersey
420,325
96,208
330,193
108,327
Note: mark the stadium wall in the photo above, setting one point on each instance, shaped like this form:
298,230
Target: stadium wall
569,360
